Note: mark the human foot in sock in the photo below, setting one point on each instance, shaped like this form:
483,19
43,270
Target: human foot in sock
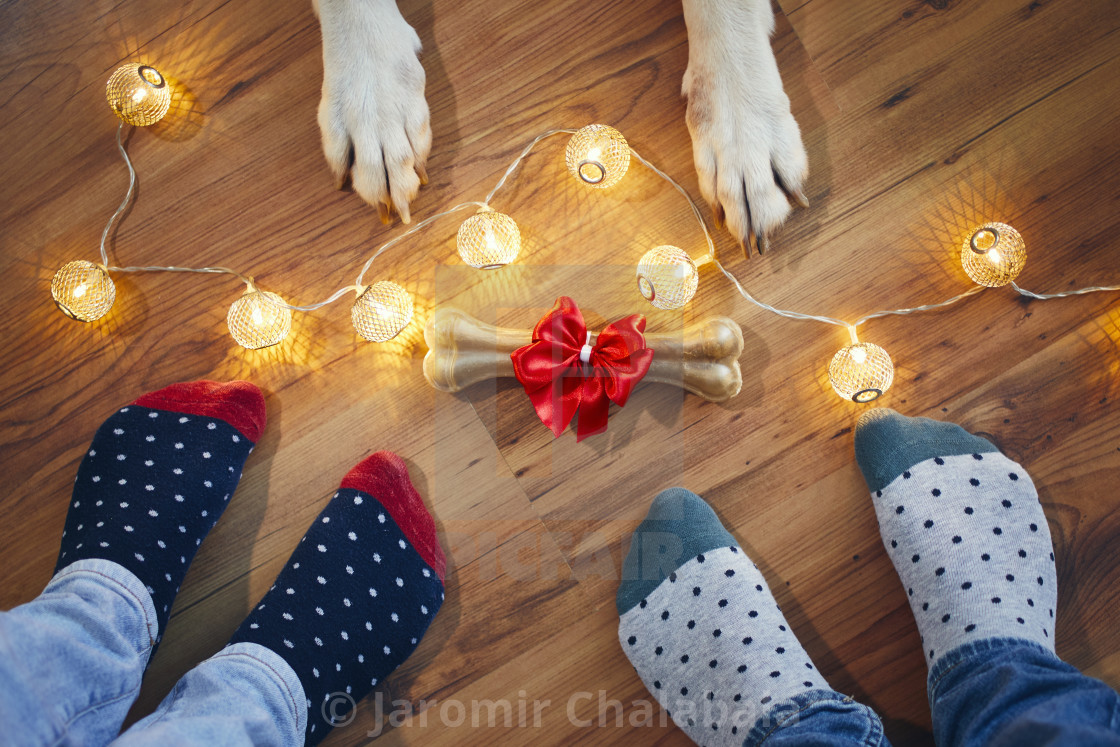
156,478
964,528
700,626
357,594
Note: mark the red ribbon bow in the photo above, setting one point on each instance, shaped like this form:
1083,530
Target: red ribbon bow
562,371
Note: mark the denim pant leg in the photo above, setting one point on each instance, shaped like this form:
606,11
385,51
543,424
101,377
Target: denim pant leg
72,659
1005,691
818,718
243,695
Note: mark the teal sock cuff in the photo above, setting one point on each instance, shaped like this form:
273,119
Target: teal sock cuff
888,444
678,527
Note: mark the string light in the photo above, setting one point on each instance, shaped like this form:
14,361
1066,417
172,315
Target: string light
994,255
488,240
667,277
83,290
138,94
381,311
259,319
598,155
860,372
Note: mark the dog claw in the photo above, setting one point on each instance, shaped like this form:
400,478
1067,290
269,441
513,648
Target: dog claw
422,172
800,198
763,244
383,212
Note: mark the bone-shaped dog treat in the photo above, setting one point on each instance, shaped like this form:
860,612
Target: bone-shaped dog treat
702,359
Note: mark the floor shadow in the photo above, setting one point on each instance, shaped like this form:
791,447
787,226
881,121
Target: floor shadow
442,104
398,693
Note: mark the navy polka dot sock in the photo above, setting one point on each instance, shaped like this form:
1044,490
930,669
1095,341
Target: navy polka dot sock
700,626
156,478
357,594
964,528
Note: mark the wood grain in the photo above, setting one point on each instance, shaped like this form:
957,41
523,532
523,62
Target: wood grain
921,120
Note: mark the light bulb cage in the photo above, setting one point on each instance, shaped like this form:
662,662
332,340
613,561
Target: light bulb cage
138,94
259,319
861,372
598,155
994,255
381,311
488,240
83,290
667,277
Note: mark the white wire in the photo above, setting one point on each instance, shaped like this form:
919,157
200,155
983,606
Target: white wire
691,204
334,297
481,205
780,312
409,232
201,270
124,202
712,255
360,286
521,158
970,292
461,206
827,319
161,268
247,280
1063,294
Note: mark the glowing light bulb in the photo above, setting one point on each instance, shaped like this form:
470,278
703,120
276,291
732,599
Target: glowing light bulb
381,311
138,94
488,240
994,255
259,319
667,277
598,155
861,372
83,290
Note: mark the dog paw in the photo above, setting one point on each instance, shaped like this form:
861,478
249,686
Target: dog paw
745,142
373,115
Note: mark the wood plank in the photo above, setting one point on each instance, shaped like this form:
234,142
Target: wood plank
903,163
995,55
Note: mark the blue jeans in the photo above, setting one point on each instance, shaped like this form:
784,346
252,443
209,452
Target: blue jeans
998,692
71,662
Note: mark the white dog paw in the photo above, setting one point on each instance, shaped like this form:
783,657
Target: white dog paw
745,142
373,115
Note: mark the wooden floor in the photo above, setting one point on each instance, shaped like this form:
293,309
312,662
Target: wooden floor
920,118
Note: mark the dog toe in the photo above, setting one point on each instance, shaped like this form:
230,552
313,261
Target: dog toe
373,116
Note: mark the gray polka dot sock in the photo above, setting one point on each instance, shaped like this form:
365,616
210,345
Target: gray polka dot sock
964,528
700,626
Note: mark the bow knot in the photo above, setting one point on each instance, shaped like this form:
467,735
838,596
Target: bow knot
586,350
562,370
